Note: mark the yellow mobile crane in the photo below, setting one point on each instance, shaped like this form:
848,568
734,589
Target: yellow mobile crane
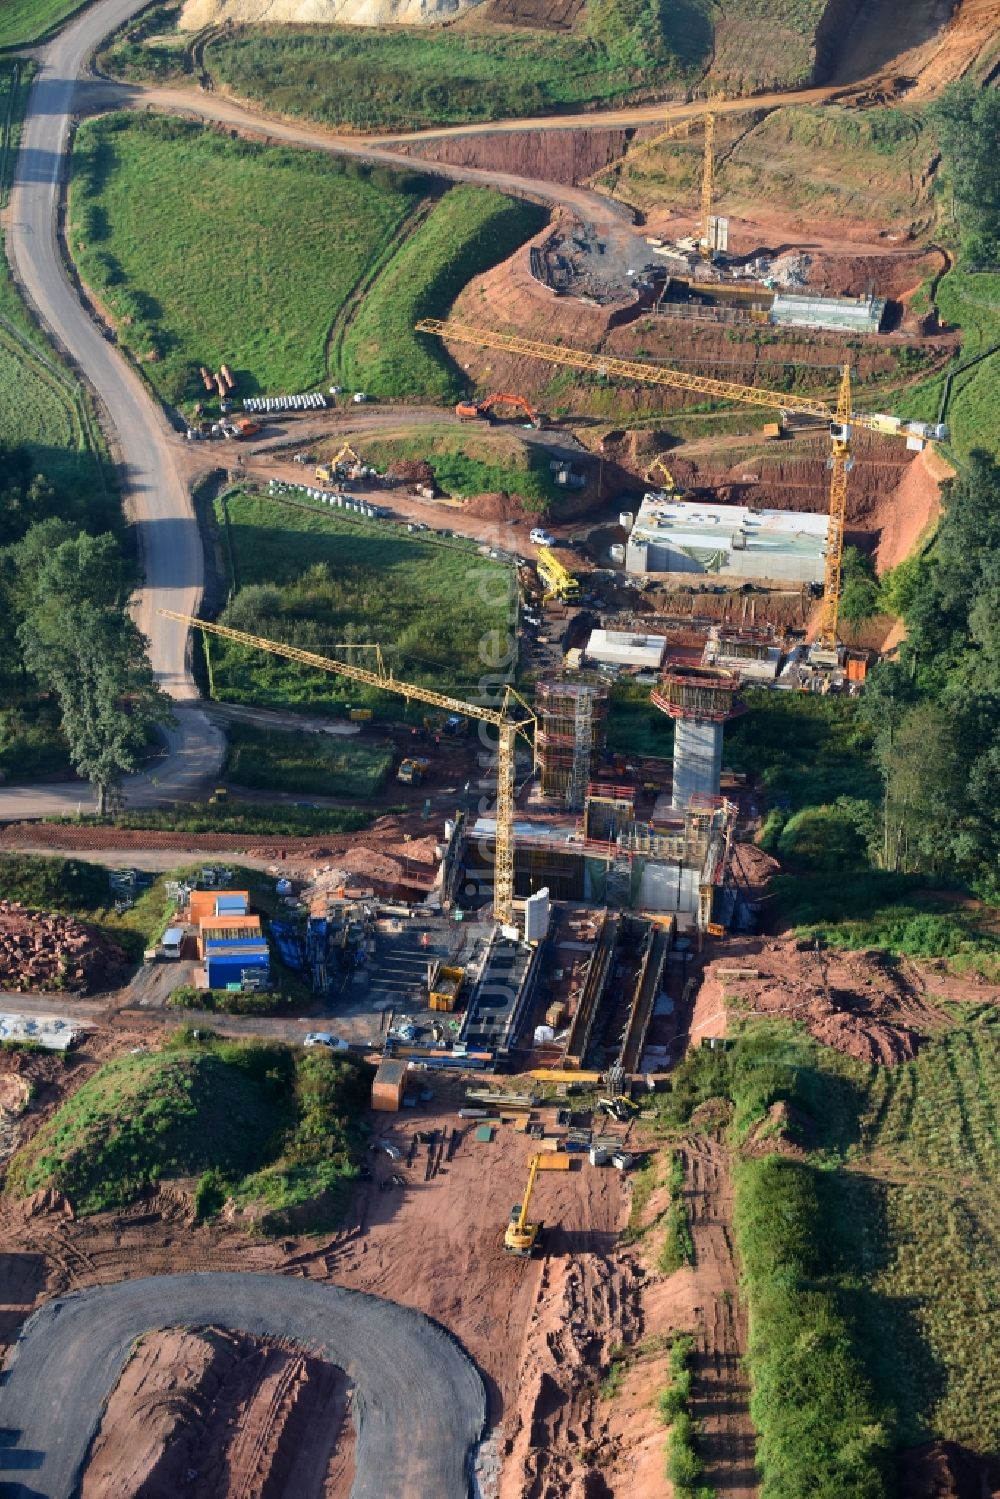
841,419
521,1235
559,581
507,721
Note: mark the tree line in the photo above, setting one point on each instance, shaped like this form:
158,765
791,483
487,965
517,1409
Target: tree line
935,710
65,626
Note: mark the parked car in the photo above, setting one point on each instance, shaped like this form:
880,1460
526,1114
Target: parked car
541,538
323,1038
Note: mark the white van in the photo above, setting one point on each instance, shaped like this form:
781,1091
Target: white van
173,938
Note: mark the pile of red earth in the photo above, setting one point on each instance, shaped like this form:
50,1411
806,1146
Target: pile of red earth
865,1004
49,952
410,471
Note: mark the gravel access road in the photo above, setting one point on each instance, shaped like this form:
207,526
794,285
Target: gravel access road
155,497
419,1402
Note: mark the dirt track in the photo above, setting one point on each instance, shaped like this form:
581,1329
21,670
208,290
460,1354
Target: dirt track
420,1403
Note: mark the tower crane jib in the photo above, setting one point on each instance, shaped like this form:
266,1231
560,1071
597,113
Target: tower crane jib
509,721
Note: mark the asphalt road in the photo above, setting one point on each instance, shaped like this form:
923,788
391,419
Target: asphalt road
155,497
419,1402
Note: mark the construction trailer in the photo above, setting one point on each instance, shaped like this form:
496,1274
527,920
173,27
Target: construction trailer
569,740
389,1085
237,961
626,648
207,904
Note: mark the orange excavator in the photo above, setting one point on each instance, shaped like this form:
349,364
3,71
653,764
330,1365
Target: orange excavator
470,410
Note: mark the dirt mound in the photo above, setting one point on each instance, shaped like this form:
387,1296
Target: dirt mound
784,1129
499,506
944,1470
199,13
230,1414
46,952
912,508
411,471
864,1004
567,156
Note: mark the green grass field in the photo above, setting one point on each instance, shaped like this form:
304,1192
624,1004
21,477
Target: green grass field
867,1260
315,763
467,232
42,407
221,250
273,1127
411,77
930,1128
972,303
290,266
25,21
478,460
314,580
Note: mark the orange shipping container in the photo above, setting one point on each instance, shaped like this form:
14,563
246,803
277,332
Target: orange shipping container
203,903
388,1086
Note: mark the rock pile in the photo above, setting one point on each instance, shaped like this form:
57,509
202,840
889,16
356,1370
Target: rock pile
44,951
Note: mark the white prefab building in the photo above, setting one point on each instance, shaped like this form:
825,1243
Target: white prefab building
727,541
623,648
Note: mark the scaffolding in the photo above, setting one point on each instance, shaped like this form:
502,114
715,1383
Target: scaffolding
570,738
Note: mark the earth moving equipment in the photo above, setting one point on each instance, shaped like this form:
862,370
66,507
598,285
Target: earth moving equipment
412,771
448,725
659,467
327,473
841,419
521,1236
559,583
512,719
469,410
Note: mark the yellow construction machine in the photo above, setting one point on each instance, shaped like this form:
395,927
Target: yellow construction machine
521,1236
558,581
328,473
659,467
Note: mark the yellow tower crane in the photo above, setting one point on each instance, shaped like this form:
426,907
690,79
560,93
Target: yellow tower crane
841,420
507,721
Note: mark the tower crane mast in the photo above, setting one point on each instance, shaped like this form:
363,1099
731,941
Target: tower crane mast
508,721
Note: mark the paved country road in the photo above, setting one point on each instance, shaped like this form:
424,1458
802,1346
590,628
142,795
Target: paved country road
419,1402
155,497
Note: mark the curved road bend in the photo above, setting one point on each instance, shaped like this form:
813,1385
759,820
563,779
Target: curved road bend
419,1402
158,501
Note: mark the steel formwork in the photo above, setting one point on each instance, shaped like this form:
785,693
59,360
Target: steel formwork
570,732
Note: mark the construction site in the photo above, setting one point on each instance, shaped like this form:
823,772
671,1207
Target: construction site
502,1030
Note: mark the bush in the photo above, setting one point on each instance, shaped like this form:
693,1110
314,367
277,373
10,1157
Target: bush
820,1430
53,884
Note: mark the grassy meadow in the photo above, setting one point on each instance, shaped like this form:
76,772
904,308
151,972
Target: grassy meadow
865,1243
292,267
23,22
270,1126
320,764
315,580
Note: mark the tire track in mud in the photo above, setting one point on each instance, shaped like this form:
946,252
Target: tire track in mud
721,1399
